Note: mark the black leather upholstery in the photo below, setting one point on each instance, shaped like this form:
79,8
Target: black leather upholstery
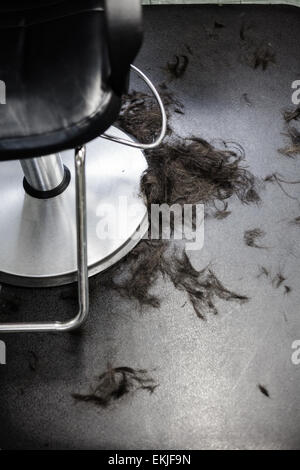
55,60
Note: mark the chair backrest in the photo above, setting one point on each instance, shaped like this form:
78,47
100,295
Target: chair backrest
65,65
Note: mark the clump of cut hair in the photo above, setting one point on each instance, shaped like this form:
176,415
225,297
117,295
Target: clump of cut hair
251,236
139,270
293,149
188,171
149,259
178,66
202,287
142,125
180,171
291,114
116,382
185,170
140,115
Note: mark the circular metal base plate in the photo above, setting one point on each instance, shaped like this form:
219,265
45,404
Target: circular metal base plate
38,237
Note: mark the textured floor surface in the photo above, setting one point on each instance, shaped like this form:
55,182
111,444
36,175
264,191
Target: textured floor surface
208,372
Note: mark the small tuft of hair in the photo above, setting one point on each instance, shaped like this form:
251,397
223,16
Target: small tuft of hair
264,390
251,236
291,114
178,67
116,382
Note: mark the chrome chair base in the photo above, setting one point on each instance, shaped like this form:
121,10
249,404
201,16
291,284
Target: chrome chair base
82,272
38,237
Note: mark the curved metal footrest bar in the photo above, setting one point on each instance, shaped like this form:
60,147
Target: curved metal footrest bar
163,130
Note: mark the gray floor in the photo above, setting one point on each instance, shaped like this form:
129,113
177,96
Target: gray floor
208,372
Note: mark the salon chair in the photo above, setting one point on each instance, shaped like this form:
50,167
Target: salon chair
64,66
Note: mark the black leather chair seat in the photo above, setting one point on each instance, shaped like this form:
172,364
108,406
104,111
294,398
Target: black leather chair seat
54,61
